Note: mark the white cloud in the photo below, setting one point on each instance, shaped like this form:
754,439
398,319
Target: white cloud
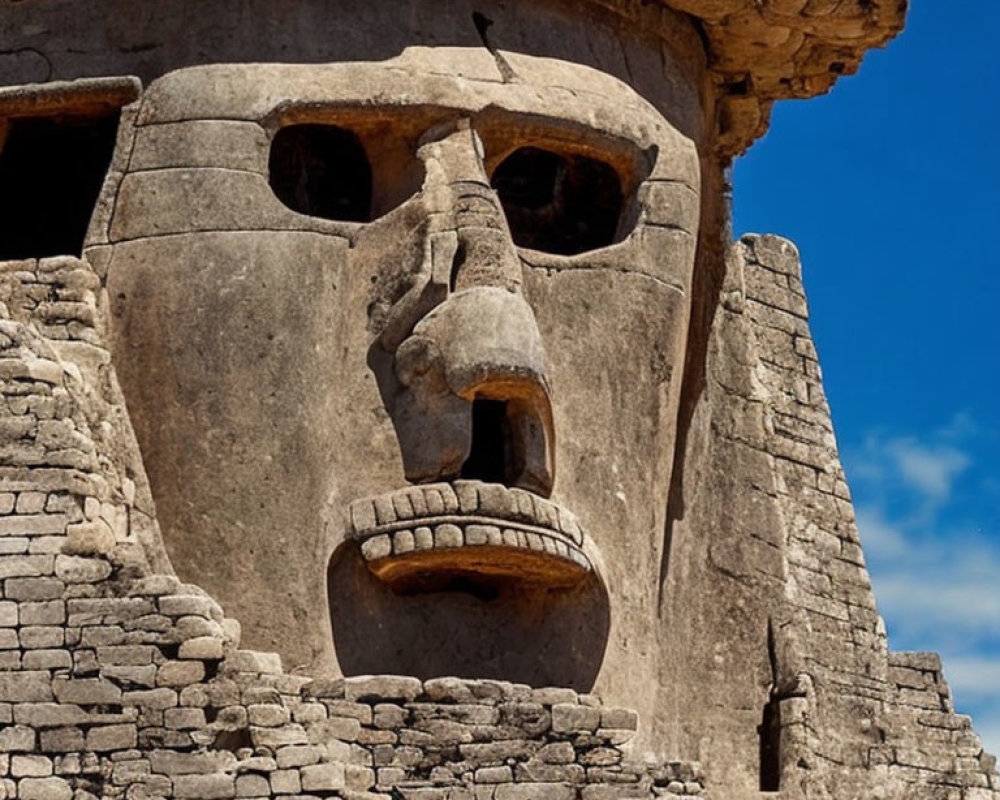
988,728
879,538
974,676
935,570
930,470
942,605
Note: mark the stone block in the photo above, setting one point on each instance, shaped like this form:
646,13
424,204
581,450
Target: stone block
268,716
128,655
14,545
286,781
205,648
447,535
298,756
126,773
156,699
195,696
34,525
179,605
77,569
25,687
38,637
494,775
358,778
168,762
618,791
180,673
376,547
309,712
43,612
184,718
388,715
252,786
25,566
278,737
557,753
345,729
348,708
49,715
61,740
534,772
382,687
31,502
34,588
252,661
30,766
111,737
536,791
86,691
44,789
216,786
256,764
8,614
323,777
91,538
17,739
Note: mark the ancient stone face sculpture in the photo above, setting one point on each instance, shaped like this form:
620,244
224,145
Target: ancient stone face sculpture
425,324
478,288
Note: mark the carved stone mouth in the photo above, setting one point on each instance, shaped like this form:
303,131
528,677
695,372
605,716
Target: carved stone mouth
428,535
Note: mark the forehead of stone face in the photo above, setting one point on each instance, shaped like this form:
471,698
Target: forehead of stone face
427,86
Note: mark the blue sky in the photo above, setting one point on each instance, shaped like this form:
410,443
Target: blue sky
888,185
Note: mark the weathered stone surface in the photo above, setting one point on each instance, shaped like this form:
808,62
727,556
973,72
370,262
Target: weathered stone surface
354,426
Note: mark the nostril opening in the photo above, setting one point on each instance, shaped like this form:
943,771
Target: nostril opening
489,456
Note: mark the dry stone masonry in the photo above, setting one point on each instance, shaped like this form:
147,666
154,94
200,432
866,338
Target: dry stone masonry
385,414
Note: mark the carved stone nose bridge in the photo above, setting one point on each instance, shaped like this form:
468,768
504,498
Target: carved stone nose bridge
460,194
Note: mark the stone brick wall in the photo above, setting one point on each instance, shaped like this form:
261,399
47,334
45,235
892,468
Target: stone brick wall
118,681
858,714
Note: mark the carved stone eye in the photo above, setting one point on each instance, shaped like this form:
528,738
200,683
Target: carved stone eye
560,204
322,171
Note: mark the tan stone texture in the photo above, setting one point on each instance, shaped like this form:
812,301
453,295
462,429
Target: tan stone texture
518,476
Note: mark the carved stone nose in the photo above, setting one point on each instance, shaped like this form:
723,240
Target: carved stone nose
463,200
486,341
481,343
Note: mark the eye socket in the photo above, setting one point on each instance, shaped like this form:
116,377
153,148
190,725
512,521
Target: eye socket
51,171
559,204
322,171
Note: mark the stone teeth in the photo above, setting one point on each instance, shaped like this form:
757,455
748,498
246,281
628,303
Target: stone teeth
447,535
462,515
376,547
385,510
423,538
475,535
402,542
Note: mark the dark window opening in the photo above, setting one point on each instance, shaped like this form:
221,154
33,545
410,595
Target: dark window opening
322,171
51,173
559,204
489,457
770,747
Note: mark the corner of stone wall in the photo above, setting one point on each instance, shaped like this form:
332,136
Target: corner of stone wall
862,716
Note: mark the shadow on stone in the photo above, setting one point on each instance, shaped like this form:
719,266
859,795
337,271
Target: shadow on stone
523,633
